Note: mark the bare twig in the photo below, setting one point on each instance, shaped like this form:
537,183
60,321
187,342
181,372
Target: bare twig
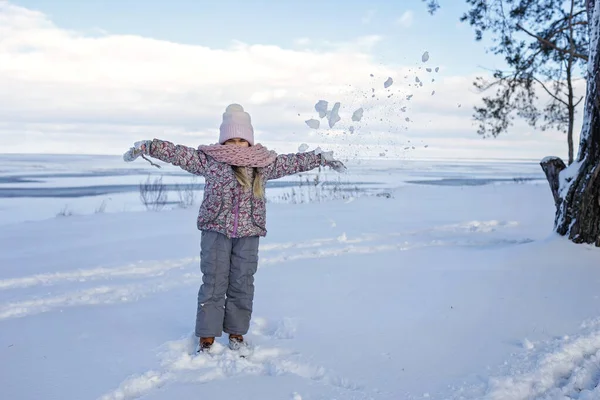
153,195
554,46
550,93
150,161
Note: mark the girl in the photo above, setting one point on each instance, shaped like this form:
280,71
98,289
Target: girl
232,216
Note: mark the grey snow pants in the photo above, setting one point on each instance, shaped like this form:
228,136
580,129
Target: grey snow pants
227,291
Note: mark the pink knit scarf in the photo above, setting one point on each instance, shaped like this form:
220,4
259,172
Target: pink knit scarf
256,156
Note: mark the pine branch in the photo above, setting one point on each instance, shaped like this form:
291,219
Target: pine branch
549,92
568,27
550,44
567,17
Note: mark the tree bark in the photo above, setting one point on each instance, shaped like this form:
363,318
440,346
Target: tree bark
578,193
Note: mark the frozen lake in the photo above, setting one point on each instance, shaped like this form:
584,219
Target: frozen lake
34,187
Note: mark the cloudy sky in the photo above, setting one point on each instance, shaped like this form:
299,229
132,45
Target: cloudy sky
94,76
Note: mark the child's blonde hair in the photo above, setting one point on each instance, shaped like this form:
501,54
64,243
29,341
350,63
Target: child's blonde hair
244,180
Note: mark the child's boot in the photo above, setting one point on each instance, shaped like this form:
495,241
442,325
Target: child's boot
206,344
236,342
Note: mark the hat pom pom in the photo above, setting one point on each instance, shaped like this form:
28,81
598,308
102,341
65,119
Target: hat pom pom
234,108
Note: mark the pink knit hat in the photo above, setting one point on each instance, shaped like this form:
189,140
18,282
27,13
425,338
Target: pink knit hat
236,124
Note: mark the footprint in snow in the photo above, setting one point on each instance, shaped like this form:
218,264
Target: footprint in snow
179,362
282,329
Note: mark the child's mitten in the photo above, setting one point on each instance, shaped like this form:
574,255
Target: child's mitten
337,165
329,161
138,149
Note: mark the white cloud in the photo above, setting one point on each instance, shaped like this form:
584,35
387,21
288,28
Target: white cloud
67,92
304,41
361,44
406,19
369,41
368,17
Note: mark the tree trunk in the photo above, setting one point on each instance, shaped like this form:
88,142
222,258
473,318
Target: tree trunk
571,116
577,187
571,105
552,167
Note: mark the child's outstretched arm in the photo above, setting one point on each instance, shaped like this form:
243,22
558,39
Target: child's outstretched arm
289,164
186,158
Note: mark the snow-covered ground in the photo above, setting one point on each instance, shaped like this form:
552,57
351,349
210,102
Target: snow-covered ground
453,290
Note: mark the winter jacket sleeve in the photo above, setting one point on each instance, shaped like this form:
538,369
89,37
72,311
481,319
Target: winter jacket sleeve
186,158
289,164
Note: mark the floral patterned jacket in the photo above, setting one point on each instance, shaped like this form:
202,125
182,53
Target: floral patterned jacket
227,207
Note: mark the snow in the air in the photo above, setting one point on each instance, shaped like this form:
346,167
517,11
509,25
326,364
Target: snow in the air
357,115
302,148
334,116
313,123
341,112
321,108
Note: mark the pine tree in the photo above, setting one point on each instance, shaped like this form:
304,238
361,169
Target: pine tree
576,188
544,43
